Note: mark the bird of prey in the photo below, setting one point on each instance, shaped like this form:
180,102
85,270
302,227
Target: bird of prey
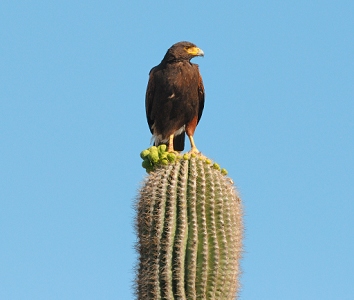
174,99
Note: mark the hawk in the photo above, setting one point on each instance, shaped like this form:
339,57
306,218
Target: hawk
174,99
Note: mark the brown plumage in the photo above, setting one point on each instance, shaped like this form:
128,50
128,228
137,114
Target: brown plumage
175,97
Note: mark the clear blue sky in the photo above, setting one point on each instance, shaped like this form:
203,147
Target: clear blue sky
279,115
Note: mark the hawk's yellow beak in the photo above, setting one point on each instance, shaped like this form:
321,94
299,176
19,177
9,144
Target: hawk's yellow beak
195,51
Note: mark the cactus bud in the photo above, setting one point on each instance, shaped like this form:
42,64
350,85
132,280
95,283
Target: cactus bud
154,154
171,157
216,166
162,148
144,153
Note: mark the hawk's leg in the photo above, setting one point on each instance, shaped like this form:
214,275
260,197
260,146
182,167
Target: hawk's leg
170,143
193,147
190,128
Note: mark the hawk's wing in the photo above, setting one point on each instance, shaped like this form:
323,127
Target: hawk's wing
200,95
149,99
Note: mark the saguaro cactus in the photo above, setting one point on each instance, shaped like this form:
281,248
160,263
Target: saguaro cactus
189,225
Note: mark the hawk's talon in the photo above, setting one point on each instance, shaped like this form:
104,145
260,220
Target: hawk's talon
194,150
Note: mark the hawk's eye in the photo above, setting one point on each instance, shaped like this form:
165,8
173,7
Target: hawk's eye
186,48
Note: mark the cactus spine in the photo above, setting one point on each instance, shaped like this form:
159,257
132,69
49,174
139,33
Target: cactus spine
189,225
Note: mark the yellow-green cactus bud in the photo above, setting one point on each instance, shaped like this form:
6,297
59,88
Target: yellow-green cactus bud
153,148
164,162
216,166
162,148
208,161
146,164
171,157
185,156
163,155
154,155
144,153
224,171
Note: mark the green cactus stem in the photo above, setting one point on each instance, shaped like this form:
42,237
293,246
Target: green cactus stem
189,225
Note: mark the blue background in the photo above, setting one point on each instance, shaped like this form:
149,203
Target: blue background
279,115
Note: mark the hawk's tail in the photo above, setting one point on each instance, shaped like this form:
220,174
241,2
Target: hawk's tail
178,142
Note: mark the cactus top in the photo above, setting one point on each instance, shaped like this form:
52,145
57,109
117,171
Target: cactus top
155,157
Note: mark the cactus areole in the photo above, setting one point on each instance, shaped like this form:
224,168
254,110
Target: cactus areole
189,226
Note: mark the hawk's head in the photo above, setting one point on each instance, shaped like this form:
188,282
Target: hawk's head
183,51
